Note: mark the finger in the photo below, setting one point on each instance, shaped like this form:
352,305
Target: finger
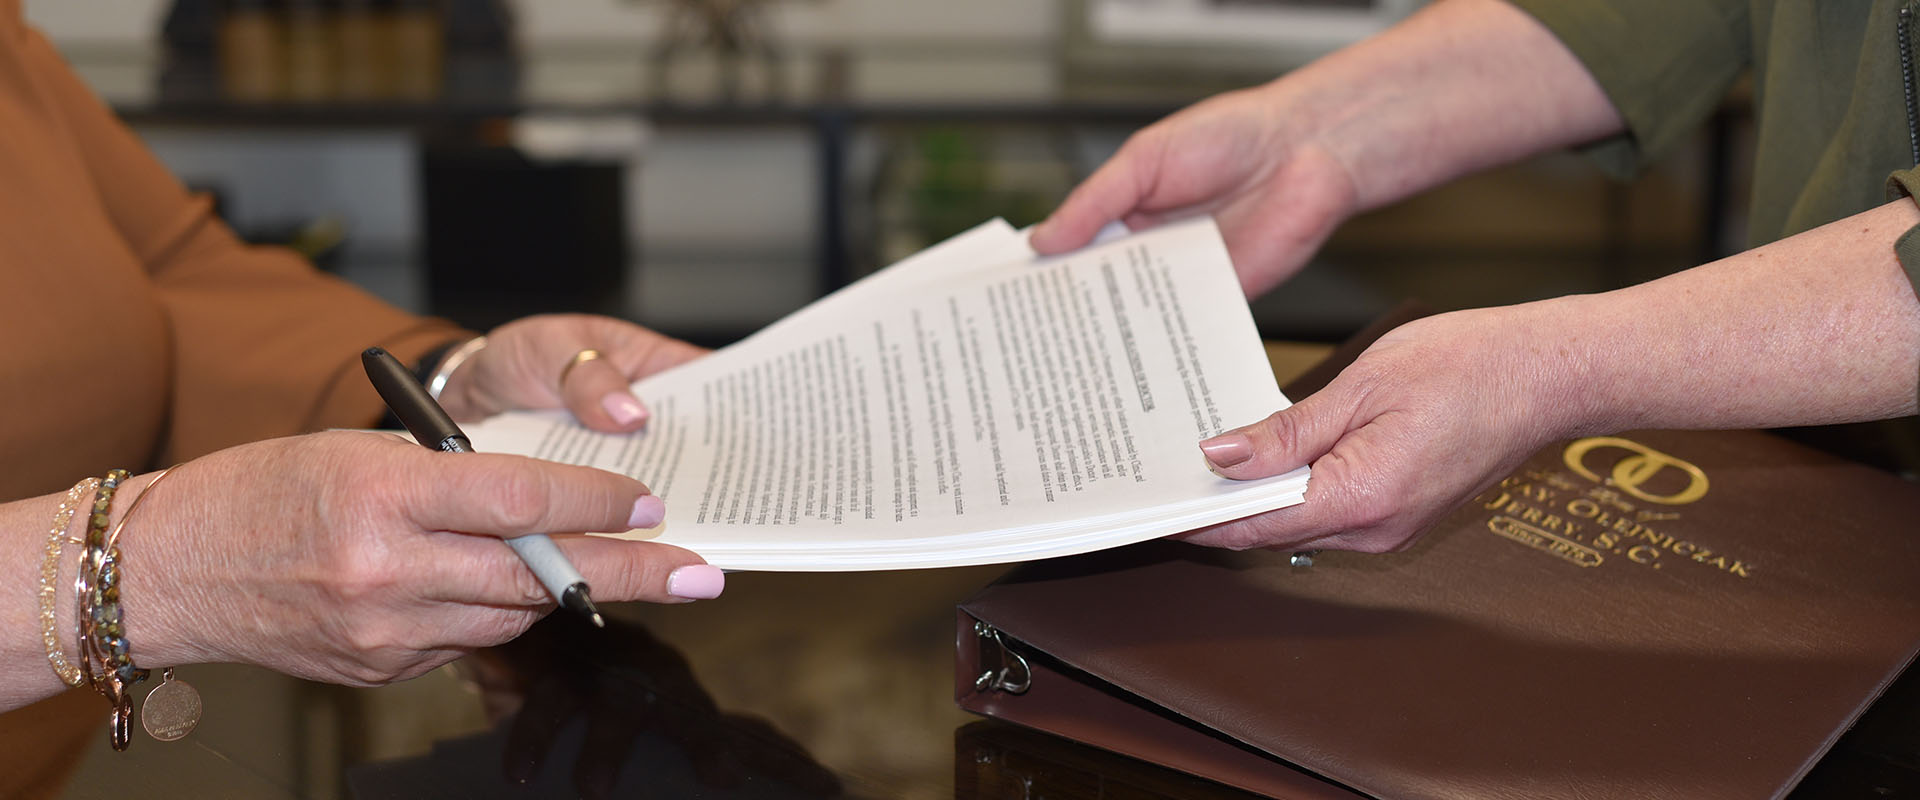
641,352
504,495
1287,439
480,570
1113,190
1142,220
1296,528
1347,507
597,394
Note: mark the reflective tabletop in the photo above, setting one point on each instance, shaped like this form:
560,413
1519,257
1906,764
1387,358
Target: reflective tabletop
790,685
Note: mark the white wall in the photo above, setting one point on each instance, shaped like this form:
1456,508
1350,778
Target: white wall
744,194
545,22
97,21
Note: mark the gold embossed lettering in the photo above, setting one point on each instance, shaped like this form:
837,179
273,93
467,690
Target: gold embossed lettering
1642,532
1553,521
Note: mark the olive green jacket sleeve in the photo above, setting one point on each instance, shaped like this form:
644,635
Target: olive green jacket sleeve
1665,65
1831,74
1907,247
1906,183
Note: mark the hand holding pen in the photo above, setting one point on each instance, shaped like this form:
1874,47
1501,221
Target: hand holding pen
364,559
350,558
434,429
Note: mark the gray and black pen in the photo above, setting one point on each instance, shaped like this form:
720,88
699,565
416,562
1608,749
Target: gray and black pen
432,428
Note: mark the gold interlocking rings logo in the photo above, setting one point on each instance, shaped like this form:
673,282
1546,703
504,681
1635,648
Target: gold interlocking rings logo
1637,470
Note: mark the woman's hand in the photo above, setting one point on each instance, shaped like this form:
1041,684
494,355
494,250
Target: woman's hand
1243,157
361,558
1430,415
1455,88
524,360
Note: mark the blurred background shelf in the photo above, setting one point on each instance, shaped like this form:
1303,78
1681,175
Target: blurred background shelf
877,127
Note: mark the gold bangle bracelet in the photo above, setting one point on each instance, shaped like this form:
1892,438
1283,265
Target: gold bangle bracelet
50,577
173,708
119,659
114,537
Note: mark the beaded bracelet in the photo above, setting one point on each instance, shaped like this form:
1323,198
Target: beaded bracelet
173,708
114,642
49,580
99,611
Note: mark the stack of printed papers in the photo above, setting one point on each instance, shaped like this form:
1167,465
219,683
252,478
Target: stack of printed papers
972,404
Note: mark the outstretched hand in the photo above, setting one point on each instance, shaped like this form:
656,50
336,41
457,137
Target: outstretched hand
1430,415
523,363
1241,157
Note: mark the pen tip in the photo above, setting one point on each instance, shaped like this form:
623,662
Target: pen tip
577,601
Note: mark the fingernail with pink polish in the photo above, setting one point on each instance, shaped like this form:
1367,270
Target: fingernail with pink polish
648,511
624,408
696,582
1227,449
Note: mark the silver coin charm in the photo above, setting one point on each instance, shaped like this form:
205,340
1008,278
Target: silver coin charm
172,709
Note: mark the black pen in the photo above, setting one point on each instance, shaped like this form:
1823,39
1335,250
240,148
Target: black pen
433,429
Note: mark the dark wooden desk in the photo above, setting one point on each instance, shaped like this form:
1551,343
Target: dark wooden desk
841,674
791,685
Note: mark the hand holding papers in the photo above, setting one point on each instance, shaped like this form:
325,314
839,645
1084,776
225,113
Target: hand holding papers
970,405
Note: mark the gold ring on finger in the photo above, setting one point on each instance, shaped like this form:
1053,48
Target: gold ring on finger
579,358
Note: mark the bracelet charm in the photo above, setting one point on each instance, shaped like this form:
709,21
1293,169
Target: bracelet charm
172,709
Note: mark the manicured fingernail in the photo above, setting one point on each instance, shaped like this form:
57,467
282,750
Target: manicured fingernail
696,582
624,408
1227,449
648,511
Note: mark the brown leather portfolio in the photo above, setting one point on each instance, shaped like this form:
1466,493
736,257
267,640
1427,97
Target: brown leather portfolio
1655,614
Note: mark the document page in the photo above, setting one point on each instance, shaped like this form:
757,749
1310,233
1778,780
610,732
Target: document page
955,411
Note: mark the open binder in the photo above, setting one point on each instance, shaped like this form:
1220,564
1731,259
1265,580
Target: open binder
1657,614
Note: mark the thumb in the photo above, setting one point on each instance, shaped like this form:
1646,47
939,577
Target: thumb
1110,193
598,395
1287,439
